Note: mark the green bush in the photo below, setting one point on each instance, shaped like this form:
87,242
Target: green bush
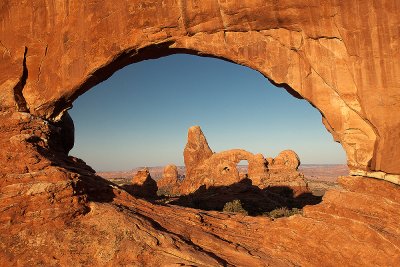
283,212
235,206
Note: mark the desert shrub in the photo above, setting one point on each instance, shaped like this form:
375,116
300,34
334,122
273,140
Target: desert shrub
235,206
119,181
164,191
283,212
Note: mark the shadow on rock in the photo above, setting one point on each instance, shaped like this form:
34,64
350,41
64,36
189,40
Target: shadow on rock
95,187
255,201
146,190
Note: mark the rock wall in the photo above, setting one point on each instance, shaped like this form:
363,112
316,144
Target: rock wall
341,56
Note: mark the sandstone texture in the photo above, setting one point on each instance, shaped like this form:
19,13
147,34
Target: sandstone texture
341,56
220,169
127,231
287,159
169,183
283,171
196,149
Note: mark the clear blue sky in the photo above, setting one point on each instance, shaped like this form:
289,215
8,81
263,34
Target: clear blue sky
140,115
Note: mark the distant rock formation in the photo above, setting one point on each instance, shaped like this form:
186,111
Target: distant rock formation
169,183
220,169
143,185
196,149
287,159
283,171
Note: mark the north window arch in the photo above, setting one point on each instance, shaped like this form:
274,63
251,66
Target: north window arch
240,121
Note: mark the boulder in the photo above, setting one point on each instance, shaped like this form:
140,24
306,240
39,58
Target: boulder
287,159
283,172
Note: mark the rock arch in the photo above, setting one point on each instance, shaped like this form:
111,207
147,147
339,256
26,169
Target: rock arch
311,49
205,169
341,56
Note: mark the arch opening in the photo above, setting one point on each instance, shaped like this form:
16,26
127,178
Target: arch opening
243,168
338,116
359,154
165,96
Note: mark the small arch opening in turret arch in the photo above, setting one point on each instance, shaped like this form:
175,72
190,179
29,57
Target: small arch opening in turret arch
243,167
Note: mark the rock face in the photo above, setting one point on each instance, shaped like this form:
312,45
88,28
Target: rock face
135,232
143,185
282,171
220,169
169,183
287,159
341,56
196,149
340,64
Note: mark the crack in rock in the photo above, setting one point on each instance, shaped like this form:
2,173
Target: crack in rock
18,95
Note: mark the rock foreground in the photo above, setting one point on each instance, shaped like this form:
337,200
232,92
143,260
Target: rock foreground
68,231
65,215
341,56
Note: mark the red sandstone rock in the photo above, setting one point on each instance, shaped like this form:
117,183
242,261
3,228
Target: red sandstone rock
143,185
339,64
287,159
169,183
341,56
220,169
282,172
129,235
257,169
196,149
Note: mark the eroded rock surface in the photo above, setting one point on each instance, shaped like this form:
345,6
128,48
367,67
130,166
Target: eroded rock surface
287,159
139,233
196,149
